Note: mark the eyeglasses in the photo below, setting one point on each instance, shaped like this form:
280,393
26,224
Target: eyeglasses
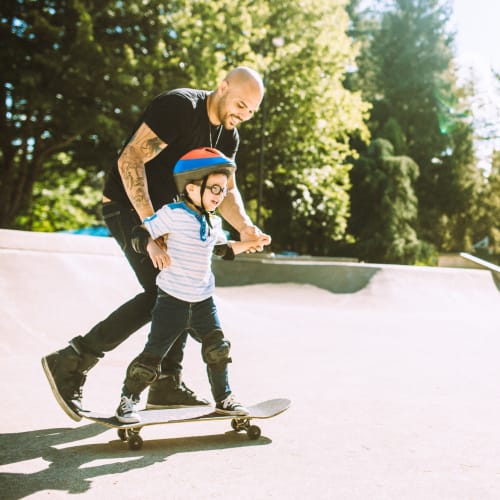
216,189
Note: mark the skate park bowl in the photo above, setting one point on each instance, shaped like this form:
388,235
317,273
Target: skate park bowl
392,371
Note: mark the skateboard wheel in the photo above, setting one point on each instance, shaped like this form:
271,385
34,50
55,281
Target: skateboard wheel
235,425
122,434
135,442
253,432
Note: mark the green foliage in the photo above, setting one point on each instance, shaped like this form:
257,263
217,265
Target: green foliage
75,77
406,70
63,199
70,78
384,206
311,203
304,128
458,183
95,66
486,225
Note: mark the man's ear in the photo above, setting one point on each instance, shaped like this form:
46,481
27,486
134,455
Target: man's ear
223,87
190,188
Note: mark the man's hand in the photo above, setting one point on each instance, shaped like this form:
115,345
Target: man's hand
157,251
254,233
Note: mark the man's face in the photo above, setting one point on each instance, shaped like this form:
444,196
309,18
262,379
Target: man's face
237,104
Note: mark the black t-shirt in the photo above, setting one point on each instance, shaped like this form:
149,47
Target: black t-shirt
178,117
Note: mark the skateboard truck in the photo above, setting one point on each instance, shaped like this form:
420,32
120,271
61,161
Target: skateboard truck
132,437
243,424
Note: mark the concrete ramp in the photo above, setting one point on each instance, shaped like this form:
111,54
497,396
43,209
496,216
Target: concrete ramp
393,372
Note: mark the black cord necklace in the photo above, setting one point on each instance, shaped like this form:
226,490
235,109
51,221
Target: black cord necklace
219,132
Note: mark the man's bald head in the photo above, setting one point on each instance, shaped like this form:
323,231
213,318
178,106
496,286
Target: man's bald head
244,76
237,97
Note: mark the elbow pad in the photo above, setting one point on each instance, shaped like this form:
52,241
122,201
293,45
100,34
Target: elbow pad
225,251
139,239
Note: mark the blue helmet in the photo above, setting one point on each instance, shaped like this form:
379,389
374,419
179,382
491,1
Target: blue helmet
199,163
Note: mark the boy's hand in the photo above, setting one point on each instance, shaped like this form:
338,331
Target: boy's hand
253,233
157,251
257,244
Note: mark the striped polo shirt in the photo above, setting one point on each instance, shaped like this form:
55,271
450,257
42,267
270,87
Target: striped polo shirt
190,245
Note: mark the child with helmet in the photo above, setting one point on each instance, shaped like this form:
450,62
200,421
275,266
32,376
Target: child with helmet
186,281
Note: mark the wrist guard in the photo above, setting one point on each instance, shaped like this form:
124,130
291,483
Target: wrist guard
139,239
225,251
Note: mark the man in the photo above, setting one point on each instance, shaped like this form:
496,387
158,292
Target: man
174,123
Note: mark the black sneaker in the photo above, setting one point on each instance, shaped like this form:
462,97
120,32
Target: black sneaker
230,406
127,412
66,371
170,392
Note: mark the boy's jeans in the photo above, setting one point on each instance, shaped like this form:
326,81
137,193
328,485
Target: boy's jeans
171,318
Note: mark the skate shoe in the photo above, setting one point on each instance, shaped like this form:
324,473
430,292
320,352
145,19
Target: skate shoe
66,374
170,392
127,412
230,406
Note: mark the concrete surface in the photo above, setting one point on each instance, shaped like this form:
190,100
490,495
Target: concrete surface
393,377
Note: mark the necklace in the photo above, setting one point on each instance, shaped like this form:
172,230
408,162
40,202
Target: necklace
219,132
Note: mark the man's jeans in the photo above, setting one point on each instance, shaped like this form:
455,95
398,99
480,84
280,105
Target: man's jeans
135,313
171,318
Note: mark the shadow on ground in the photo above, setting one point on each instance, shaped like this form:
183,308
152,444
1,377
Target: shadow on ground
70,468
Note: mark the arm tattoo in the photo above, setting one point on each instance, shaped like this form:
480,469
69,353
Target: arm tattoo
151,147
132,171
142,147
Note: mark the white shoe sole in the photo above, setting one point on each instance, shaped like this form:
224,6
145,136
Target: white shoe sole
233,413
65,407
150,406
128,420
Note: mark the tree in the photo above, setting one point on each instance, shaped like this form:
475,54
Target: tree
384,206
406,68
70,78
75,77
71,105
456,191
304,126
486,228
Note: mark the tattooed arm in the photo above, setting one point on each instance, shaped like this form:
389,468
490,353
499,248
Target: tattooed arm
142,147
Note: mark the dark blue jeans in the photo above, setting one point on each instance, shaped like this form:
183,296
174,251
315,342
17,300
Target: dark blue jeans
171,318
135,313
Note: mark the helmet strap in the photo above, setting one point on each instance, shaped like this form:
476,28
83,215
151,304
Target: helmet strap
203,209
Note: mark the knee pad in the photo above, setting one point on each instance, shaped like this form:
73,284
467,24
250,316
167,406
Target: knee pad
215,348
143,371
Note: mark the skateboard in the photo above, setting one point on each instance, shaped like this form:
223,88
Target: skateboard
130,433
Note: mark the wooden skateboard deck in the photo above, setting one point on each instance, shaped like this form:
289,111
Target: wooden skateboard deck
130,432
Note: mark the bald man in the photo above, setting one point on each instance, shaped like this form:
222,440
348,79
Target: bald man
140,183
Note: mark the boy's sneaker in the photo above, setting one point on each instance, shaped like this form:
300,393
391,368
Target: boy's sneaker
230,406
127,412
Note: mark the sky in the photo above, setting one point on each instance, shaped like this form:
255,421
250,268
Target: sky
477,51
477,47
477,31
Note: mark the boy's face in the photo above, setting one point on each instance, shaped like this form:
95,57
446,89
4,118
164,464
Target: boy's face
216,183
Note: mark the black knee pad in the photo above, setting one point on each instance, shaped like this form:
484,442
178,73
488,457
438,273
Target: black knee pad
143,371
215,349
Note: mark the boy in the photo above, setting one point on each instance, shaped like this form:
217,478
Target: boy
186,282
